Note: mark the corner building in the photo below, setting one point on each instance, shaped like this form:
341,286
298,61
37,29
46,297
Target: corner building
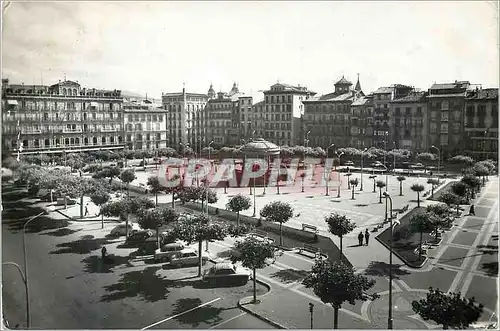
63,117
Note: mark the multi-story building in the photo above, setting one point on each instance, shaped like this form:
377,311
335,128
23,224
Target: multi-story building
145,125
61,117
382,97
283,113
244,119
186,120
446,107
362,122
257,118
222,115
481,123
408,122
327,118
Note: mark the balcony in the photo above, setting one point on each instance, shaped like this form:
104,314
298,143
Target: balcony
108,130
72,130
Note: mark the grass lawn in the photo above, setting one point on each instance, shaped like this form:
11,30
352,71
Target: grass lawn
405,242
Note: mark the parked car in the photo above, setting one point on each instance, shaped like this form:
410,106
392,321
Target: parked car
61,201
417,165
165,253
120,230
349,163
143,163
227,273
187,257
139,237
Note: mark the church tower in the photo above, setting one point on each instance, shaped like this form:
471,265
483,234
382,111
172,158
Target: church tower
211,92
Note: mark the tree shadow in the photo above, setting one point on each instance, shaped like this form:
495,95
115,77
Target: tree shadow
94,264
361,205
379,268
357,245
81,246
205,314
143,283
290,275
491,268
61,232
42,223
224,254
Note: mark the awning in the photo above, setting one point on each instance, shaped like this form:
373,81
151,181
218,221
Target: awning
94,104
12,102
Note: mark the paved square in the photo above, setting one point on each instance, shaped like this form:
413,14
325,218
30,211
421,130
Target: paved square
473,223
490,195
486,202
481,288
465,238
437,278
453,256
482,211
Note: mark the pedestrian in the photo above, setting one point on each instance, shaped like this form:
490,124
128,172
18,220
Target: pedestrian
360,238
103,252
472,211
367,236
86,209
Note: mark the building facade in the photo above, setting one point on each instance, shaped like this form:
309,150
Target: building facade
446,107
362,122
283,110
186,120
408,122
481,123
60,118
327,119
145,125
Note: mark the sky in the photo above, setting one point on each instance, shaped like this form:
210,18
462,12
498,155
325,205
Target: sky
155,47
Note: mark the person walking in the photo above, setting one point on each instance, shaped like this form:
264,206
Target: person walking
472,211
367,236
86,209
103,252
360,238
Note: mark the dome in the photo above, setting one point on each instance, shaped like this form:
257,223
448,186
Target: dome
260,147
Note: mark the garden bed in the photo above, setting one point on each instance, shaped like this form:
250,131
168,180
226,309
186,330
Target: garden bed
442,190
292,238
404,241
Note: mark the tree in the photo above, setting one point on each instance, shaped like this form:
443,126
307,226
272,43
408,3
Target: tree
155,187
278,212
373,177
489,164
463,160
400,180
472,183
421,223
237,204
448,309
75,161
339,225
451,199
124,207
434,182
253,255
69,187
100,197
480,170
348,182
302,176
204,193
174,190
440,215
460,189
127,176
426,157
107,172
380,185
155,218
354,183
50,181
418,188
336,283
198,230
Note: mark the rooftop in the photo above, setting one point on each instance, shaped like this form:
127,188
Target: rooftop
361,101
282,87
384,90
412,97
450,86
343,81
483,94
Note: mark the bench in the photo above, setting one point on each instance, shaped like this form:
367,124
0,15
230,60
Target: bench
259,233
311,228
405,208
311,249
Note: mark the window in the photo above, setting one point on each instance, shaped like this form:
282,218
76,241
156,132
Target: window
398,111
444,140
433,127
444,128
444,116
433,115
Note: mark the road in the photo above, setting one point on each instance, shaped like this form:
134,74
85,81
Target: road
69,289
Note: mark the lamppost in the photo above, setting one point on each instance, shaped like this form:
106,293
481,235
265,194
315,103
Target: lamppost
306,141
26,266
362,158
484,144
385,155
338,188
254,194
25,281
389,319
439,157
394,155
311,311
244,162
327,177
210,163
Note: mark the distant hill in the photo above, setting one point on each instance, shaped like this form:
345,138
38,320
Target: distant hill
134,95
